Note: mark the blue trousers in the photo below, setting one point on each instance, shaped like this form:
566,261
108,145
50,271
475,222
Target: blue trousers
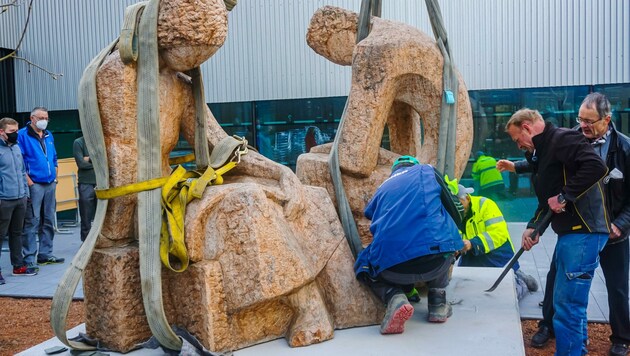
614,261
39,221
576,257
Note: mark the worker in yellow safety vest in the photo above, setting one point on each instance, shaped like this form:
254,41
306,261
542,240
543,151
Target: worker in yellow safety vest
487,241
488,177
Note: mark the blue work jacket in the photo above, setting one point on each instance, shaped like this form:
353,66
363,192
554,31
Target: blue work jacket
408,221
41,166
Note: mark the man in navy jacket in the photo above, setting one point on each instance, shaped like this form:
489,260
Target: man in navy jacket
13,195
415,240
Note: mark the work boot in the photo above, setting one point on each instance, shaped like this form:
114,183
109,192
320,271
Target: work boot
439,309
398,312
541,337
530,281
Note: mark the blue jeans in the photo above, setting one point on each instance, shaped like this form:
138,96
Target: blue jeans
576,256
40,219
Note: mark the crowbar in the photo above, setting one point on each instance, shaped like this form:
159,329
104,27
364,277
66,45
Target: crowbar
515,258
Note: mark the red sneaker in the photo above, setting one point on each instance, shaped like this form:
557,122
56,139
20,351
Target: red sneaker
24,271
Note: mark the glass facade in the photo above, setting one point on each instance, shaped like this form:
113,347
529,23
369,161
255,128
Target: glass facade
283,129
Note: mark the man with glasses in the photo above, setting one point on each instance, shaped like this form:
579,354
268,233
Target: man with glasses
40,160
614,148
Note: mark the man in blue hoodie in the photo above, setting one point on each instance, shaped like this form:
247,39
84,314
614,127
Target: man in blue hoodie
415,240
40,160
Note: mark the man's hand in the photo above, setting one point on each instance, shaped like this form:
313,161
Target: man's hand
555,206
528,242
615,233
467,246
505,165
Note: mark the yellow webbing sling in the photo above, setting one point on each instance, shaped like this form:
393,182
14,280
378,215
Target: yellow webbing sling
177,190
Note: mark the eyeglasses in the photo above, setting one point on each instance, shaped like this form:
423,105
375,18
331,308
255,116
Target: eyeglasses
580,120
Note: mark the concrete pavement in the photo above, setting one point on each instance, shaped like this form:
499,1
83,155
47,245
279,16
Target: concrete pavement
477,319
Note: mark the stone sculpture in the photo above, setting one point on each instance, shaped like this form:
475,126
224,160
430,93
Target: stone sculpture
396,82
268,256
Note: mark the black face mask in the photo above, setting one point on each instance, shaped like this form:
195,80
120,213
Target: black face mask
12,137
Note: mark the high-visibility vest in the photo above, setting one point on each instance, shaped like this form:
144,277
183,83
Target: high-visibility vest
488,224
485,171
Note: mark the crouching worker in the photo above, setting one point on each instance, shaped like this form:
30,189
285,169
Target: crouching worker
486,237
415,240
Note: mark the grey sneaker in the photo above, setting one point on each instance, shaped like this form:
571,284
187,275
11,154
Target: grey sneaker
50,260
530,281
2,281
398,312
439,309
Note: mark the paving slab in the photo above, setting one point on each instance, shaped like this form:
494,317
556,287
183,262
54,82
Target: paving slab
478,317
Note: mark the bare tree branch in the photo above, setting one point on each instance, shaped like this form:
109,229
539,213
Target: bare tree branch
28,18
55,76
5,7
13,54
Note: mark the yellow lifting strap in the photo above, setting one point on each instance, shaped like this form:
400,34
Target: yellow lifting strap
179,189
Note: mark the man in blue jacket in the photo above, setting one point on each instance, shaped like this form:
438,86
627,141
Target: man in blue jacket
415,240
13,195
40,160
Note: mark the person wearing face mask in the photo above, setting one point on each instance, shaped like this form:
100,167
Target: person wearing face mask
40,160
13,195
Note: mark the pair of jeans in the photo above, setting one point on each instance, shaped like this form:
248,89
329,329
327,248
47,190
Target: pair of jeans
614,259
39,221
11,222
577,257
87,207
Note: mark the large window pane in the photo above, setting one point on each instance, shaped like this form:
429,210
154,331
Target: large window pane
619,97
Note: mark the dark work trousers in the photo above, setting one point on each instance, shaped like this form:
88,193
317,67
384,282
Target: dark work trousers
614,260
12,222
87,207
389,283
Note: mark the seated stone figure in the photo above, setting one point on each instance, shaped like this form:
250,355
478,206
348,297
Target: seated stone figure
396,82
268,256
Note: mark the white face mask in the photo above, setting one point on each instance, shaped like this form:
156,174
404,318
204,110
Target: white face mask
42,124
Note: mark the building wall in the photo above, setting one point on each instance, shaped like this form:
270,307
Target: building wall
496,44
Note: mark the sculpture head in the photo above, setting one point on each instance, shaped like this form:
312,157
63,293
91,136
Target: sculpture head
190,32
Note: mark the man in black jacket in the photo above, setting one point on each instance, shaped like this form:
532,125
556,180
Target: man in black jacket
594,119
86,185
569,173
